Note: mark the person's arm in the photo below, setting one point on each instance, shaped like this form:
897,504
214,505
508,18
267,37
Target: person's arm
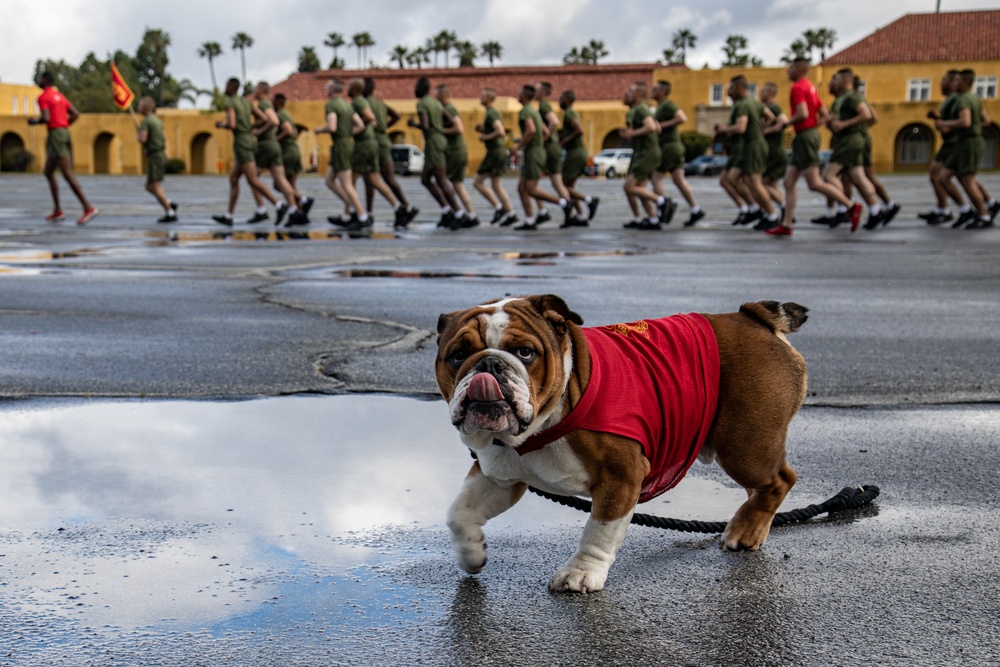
141,134
230,122
498,131
963,121
739,127
72,114
392,116
649,126
863,116
331,124
801,114
779,124
43,113
368,117
263,121
455,126
874,118
357,124
576,130
529,133
551,124
679,119
285,130
423,121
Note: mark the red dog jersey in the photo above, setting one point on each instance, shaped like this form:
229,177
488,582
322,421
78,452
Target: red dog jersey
654,381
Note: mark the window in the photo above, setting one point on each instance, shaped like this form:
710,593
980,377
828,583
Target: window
717,95
752,90
918,90
26,104
862,86
986,87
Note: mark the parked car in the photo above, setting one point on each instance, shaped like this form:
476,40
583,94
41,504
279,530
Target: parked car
612,162
706,165
407,159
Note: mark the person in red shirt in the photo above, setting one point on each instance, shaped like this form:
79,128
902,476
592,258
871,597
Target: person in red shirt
58,114
808,112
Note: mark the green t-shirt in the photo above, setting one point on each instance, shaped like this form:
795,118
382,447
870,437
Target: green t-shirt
775,139
567,129
489,125
435,112
153,127
455,141
285,117
529,111
381,114
635,118
666,111
544,109
345,113
270,135
968,100
948,113
847,108
360,105
244,116
750,108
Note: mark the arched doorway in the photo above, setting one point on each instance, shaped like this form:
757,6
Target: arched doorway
614,140
107,158
13,157
914,147
204,154
990,135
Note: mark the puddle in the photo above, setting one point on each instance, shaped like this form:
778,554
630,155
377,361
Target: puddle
272,235
427,275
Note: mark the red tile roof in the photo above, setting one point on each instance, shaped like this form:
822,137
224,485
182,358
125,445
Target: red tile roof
926,38
589,82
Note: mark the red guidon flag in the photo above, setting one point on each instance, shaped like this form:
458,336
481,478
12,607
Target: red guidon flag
120,91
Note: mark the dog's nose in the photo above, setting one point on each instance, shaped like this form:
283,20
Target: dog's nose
490,365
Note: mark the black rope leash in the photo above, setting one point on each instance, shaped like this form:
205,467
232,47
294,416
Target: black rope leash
849,498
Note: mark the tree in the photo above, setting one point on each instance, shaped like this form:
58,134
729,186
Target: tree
211,50
736,56
819,38
308,60
797,49
597,51
335,40
242,41
492,50
418,57
152,53
671,57
361,41
398,55
683,39
446,41
433,45
573,57
467,53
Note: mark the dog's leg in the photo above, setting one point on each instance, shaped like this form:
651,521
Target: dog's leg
480,499
749,527
587,570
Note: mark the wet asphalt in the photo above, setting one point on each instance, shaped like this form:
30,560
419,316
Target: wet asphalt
223,447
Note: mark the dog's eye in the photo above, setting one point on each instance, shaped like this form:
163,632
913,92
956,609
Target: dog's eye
457,357
525,354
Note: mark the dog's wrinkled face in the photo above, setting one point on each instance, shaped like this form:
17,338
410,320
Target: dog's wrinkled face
503,366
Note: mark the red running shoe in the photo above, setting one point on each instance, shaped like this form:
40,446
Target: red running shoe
87,216
779,230
55,216
855,216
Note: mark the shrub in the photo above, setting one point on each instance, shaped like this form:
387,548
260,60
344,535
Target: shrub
695,144
16,159
175,166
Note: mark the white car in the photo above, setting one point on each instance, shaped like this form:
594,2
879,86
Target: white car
612,162
407,159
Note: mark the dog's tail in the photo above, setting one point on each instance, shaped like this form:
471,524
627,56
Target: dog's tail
778,317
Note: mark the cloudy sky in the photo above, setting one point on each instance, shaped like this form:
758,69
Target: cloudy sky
530,31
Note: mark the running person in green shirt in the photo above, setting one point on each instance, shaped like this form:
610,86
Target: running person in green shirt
269,155
240,118
669,118
571,140
946,189
342,124
150,135
533,147
386,117
365,162
553,151
642,130
774,135
456,156
430,120
493,134
292,158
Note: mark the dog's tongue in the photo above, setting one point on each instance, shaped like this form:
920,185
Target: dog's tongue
484,387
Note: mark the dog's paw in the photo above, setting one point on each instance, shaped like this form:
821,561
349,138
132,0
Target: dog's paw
744,537
471,553
574,579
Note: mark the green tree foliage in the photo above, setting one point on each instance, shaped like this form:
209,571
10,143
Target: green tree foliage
211,50
467,53
589,54
335,40
683,40
735,51
492,50
308,60
695,144
242,41
399,55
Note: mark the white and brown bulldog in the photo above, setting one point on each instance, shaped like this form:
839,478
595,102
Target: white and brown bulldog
617,413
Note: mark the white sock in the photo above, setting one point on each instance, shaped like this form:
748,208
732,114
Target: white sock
293,210
445,210
363,217
696,209
744,209
964,209
942,211
831,211
459,215
875,209
754,208
562,202
261,209
588,199
661,200
304,200
841,208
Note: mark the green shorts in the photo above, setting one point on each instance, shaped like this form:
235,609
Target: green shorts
291,158
245,148
850,151
456,160
575,163
494,162
777,163
534,163
156,167
341,153
945,152
268,154
753,157
735,153
384,149
644,163
805,149
671,157
868,162
553,157
365,157
59,144
435,147
966,155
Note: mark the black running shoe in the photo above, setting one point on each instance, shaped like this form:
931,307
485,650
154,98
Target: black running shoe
634,224
994,210
648,225
889,213
840,218
169,217
574,222
257,217
980,224
764,224
544,216
964,219
527,227
695,217
592,207
338,221
740,219
928,216
469,223
173,206
754,216
668,212
297,219
279,213
874,219
223,220
823,220
307,205
498,215
508,219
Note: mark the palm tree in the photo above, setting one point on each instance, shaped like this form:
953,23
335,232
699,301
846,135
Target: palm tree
158,41
732,48
597,51
447,40
242,41
361,41
797,49
573,57
211,50
308,60
492,50
334,40
433,45
399,54
417,57
683,39
467,53
820,38
367,40
670,56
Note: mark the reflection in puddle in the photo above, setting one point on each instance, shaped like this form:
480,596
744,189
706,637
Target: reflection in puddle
431,275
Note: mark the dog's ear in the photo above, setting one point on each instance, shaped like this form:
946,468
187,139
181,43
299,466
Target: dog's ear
443,322
554,309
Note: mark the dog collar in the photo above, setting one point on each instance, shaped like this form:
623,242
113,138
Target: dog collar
571,421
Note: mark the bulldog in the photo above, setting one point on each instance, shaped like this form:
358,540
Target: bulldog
618,414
